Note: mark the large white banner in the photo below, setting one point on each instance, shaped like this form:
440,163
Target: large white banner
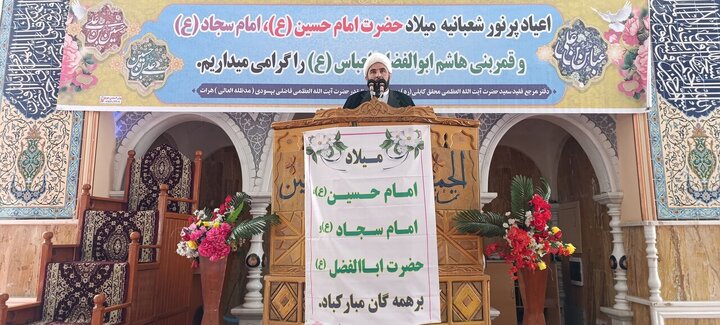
371,250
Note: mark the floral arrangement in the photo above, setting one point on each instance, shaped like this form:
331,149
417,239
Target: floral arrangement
527,231
216,233
629,40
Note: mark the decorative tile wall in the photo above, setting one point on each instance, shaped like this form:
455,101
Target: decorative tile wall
256,127
684,122
5,19
604,122
39,146
124,122
34,55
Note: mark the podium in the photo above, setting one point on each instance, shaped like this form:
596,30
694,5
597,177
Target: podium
464,287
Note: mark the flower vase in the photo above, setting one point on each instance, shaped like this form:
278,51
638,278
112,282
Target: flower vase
533,284
212,278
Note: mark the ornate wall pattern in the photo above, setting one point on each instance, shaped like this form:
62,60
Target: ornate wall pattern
5,18
256,127
39,162
39,154
684,124
34,56
124,122
607,126
604,122
487,121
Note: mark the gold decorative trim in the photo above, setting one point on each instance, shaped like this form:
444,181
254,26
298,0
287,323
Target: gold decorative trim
285,270
375,111
459,270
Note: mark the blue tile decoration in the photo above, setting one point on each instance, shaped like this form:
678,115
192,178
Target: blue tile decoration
256,127
124,122
684,152
686,38
34,54
684,124
30,161
6,17
41,161
40,147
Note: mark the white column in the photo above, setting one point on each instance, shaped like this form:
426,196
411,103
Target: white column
652,257
250,313
617,260
620,312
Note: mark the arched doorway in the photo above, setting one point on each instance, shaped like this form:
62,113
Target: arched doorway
221,175
548,147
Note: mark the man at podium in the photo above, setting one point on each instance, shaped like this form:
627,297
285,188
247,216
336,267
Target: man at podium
378,71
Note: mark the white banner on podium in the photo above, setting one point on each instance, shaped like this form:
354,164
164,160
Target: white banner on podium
371,249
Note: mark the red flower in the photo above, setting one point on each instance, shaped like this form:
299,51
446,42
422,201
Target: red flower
492,248
541,212
225,206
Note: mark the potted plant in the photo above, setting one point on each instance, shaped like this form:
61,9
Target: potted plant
529,240
210,237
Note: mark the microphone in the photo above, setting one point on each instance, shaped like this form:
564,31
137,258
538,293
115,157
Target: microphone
371,87
381,84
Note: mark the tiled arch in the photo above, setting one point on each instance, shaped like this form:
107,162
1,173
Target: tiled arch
254,160
599,148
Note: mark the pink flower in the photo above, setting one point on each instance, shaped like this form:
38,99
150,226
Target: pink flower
195,235
641,62
70,62
84,79
214,246
630,34
631,85
612,36
223,230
